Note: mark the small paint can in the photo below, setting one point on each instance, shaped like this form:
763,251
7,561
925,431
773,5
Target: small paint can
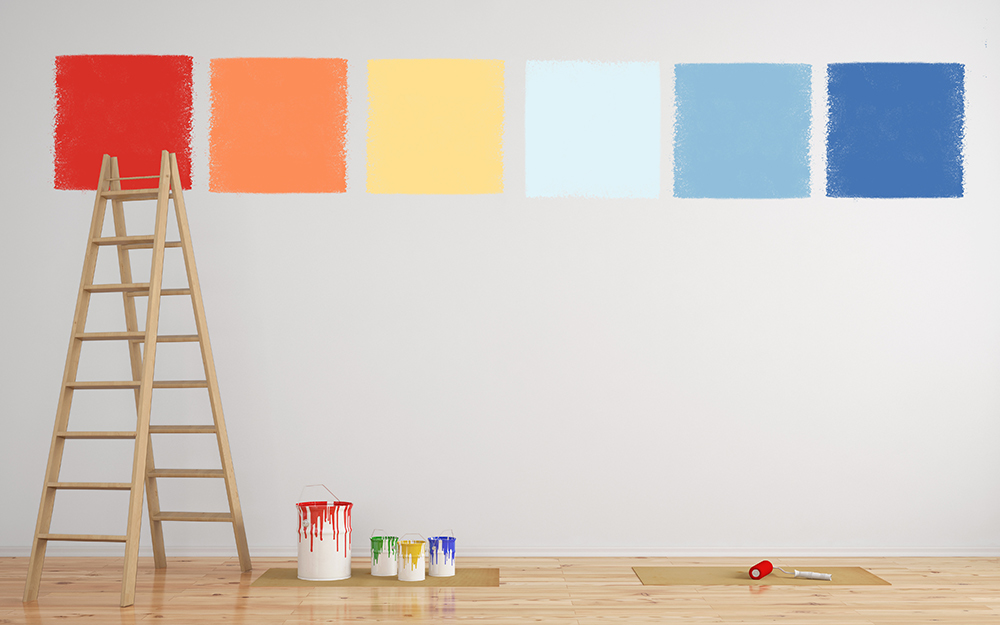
412,560
385,555
442,555
324,530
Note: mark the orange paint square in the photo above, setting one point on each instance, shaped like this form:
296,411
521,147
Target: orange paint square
278,125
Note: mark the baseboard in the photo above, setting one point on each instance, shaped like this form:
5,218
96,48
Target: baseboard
99,550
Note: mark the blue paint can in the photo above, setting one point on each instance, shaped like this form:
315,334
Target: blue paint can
442,554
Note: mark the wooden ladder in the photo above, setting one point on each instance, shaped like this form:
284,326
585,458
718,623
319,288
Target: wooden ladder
144,472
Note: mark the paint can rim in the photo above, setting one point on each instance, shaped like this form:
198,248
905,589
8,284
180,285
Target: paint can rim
313,504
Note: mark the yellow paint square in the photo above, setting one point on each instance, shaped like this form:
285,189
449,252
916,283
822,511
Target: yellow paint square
435,126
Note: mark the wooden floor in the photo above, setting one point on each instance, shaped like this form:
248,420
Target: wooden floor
557,590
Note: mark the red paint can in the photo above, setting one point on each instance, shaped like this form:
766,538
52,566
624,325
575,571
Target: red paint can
324,531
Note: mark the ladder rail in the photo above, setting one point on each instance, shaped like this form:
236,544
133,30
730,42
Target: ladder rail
140,459
135,358
44,522
201,327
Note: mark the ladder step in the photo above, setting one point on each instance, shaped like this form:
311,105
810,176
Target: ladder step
134,242
186,473
162,292
135,177
177,338
91,485
194,516
153,429
180,384
87,538
129,195
117,288
139,288
96,435
136,336
182,429
111,336
134,384
146,246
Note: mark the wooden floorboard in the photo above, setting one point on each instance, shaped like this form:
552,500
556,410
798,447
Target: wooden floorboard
571,591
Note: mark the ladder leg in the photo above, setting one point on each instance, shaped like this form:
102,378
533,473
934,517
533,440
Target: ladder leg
134,521
153,504
38,545
135,359
141,457
201,324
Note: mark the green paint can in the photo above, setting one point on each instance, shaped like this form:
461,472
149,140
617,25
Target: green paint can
385,554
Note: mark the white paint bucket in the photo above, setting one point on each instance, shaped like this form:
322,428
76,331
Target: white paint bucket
412,560
442,555
385,555
324,539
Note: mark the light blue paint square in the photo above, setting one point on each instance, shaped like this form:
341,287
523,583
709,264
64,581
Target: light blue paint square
592,129
742,130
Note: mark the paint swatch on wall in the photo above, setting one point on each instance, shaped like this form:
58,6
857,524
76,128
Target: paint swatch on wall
895,130
592,129
278,125
742,130
132,107
435,126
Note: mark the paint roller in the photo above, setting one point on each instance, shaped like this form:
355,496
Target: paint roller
764,568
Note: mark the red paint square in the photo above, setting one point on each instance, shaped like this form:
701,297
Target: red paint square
132,107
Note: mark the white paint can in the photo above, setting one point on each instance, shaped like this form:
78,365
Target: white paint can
442,555
324,540
385,555
412,559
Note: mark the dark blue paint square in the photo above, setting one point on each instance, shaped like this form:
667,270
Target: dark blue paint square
895,130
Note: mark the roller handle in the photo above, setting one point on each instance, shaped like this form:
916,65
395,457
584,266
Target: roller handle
810,575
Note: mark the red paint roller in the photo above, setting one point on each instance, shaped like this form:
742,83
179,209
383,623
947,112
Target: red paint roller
764,568
761,569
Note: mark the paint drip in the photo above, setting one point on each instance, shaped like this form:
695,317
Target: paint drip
410,552
314,516
442,549
387,545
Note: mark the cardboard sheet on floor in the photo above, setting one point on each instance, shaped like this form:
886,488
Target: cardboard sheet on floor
279,577
734,576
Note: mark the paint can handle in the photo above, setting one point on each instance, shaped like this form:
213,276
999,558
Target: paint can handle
323,486
377,529
449,533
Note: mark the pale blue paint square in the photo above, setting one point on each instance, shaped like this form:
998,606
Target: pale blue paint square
592,129
742,130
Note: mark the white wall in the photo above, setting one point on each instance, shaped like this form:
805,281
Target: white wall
608,376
